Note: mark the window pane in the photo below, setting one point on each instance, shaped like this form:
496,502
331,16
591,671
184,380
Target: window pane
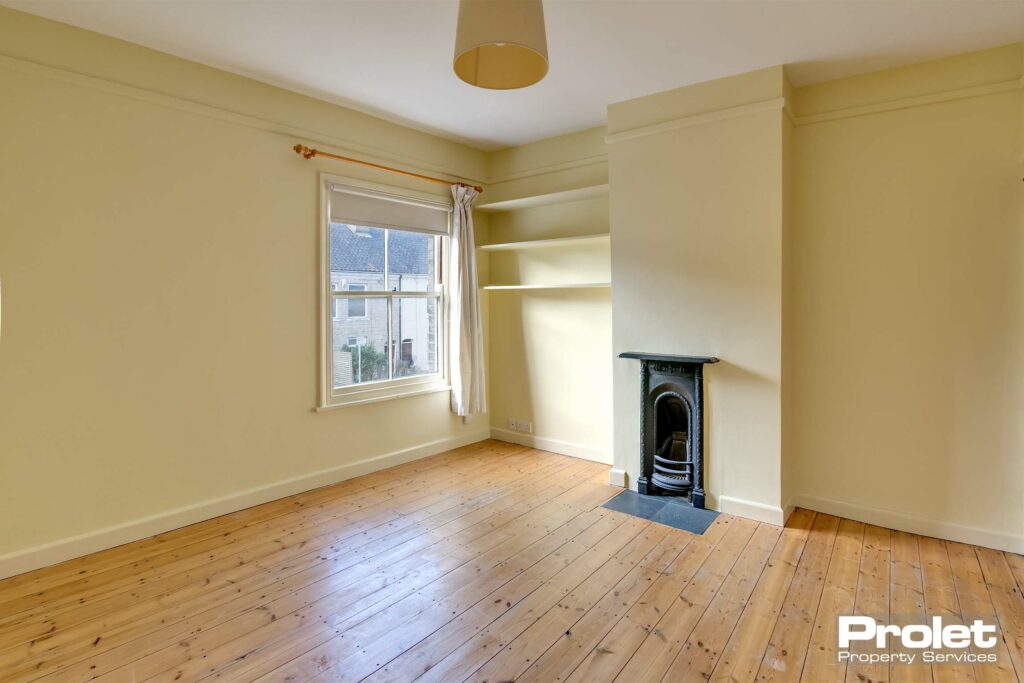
357,259
414,330
360,352
411,261
355,308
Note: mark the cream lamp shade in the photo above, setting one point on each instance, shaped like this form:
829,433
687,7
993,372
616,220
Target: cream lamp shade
501,44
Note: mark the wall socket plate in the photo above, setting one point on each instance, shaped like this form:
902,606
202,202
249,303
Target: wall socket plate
524,426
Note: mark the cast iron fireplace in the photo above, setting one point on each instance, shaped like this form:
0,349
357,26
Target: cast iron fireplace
671,425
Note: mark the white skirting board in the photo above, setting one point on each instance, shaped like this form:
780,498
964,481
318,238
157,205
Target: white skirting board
68,548
770,514
902,521
618,478
575,450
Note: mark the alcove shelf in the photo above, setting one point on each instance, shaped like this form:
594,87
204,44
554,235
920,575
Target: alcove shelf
570,285
536,243
573,195
581,240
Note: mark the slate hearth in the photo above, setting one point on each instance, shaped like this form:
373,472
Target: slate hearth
671,511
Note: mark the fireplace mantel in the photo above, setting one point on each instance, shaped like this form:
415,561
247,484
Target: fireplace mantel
668,358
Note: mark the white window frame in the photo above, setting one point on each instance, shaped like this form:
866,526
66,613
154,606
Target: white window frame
335,308
366,392
349,299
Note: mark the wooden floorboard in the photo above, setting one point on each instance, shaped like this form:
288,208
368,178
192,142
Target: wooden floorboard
791,636
492,563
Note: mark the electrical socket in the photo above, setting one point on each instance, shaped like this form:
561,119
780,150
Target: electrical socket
523,426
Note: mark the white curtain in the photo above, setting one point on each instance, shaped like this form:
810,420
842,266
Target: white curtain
466,337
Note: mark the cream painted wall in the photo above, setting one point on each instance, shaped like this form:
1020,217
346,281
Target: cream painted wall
696,213
557,164
158,253
551,348
856,261
908,306
552,367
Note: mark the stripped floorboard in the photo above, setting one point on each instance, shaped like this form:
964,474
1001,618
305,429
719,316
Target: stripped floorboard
490,563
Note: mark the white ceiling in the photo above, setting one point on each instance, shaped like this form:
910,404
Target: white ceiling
393,58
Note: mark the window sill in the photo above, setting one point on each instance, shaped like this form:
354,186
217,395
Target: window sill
389,396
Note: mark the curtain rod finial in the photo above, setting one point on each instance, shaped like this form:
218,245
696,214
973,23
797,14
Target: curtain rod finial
304,151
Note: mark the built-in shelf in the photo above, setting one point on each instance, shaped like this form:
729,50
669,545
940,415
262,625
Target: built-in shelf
573,285
541,244
589,192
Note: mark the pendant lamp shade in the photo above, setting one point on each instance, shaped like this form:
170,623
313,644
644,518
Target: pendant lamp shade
501,44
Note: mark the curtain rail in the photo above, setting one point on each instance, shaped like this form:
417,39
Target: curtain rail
309,153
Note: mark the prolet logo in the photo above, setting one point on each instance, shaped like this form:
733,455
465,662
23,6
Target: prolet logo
931,639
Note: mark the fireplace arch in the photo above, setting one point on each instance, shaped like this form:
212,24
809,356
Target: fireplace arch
672,467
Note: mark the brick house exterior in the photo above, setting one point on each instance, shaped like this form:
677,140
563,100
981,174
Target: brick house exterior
357,263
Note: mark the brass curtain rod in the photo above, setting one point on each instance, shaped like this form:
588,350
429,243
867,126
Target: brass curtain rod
309,153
